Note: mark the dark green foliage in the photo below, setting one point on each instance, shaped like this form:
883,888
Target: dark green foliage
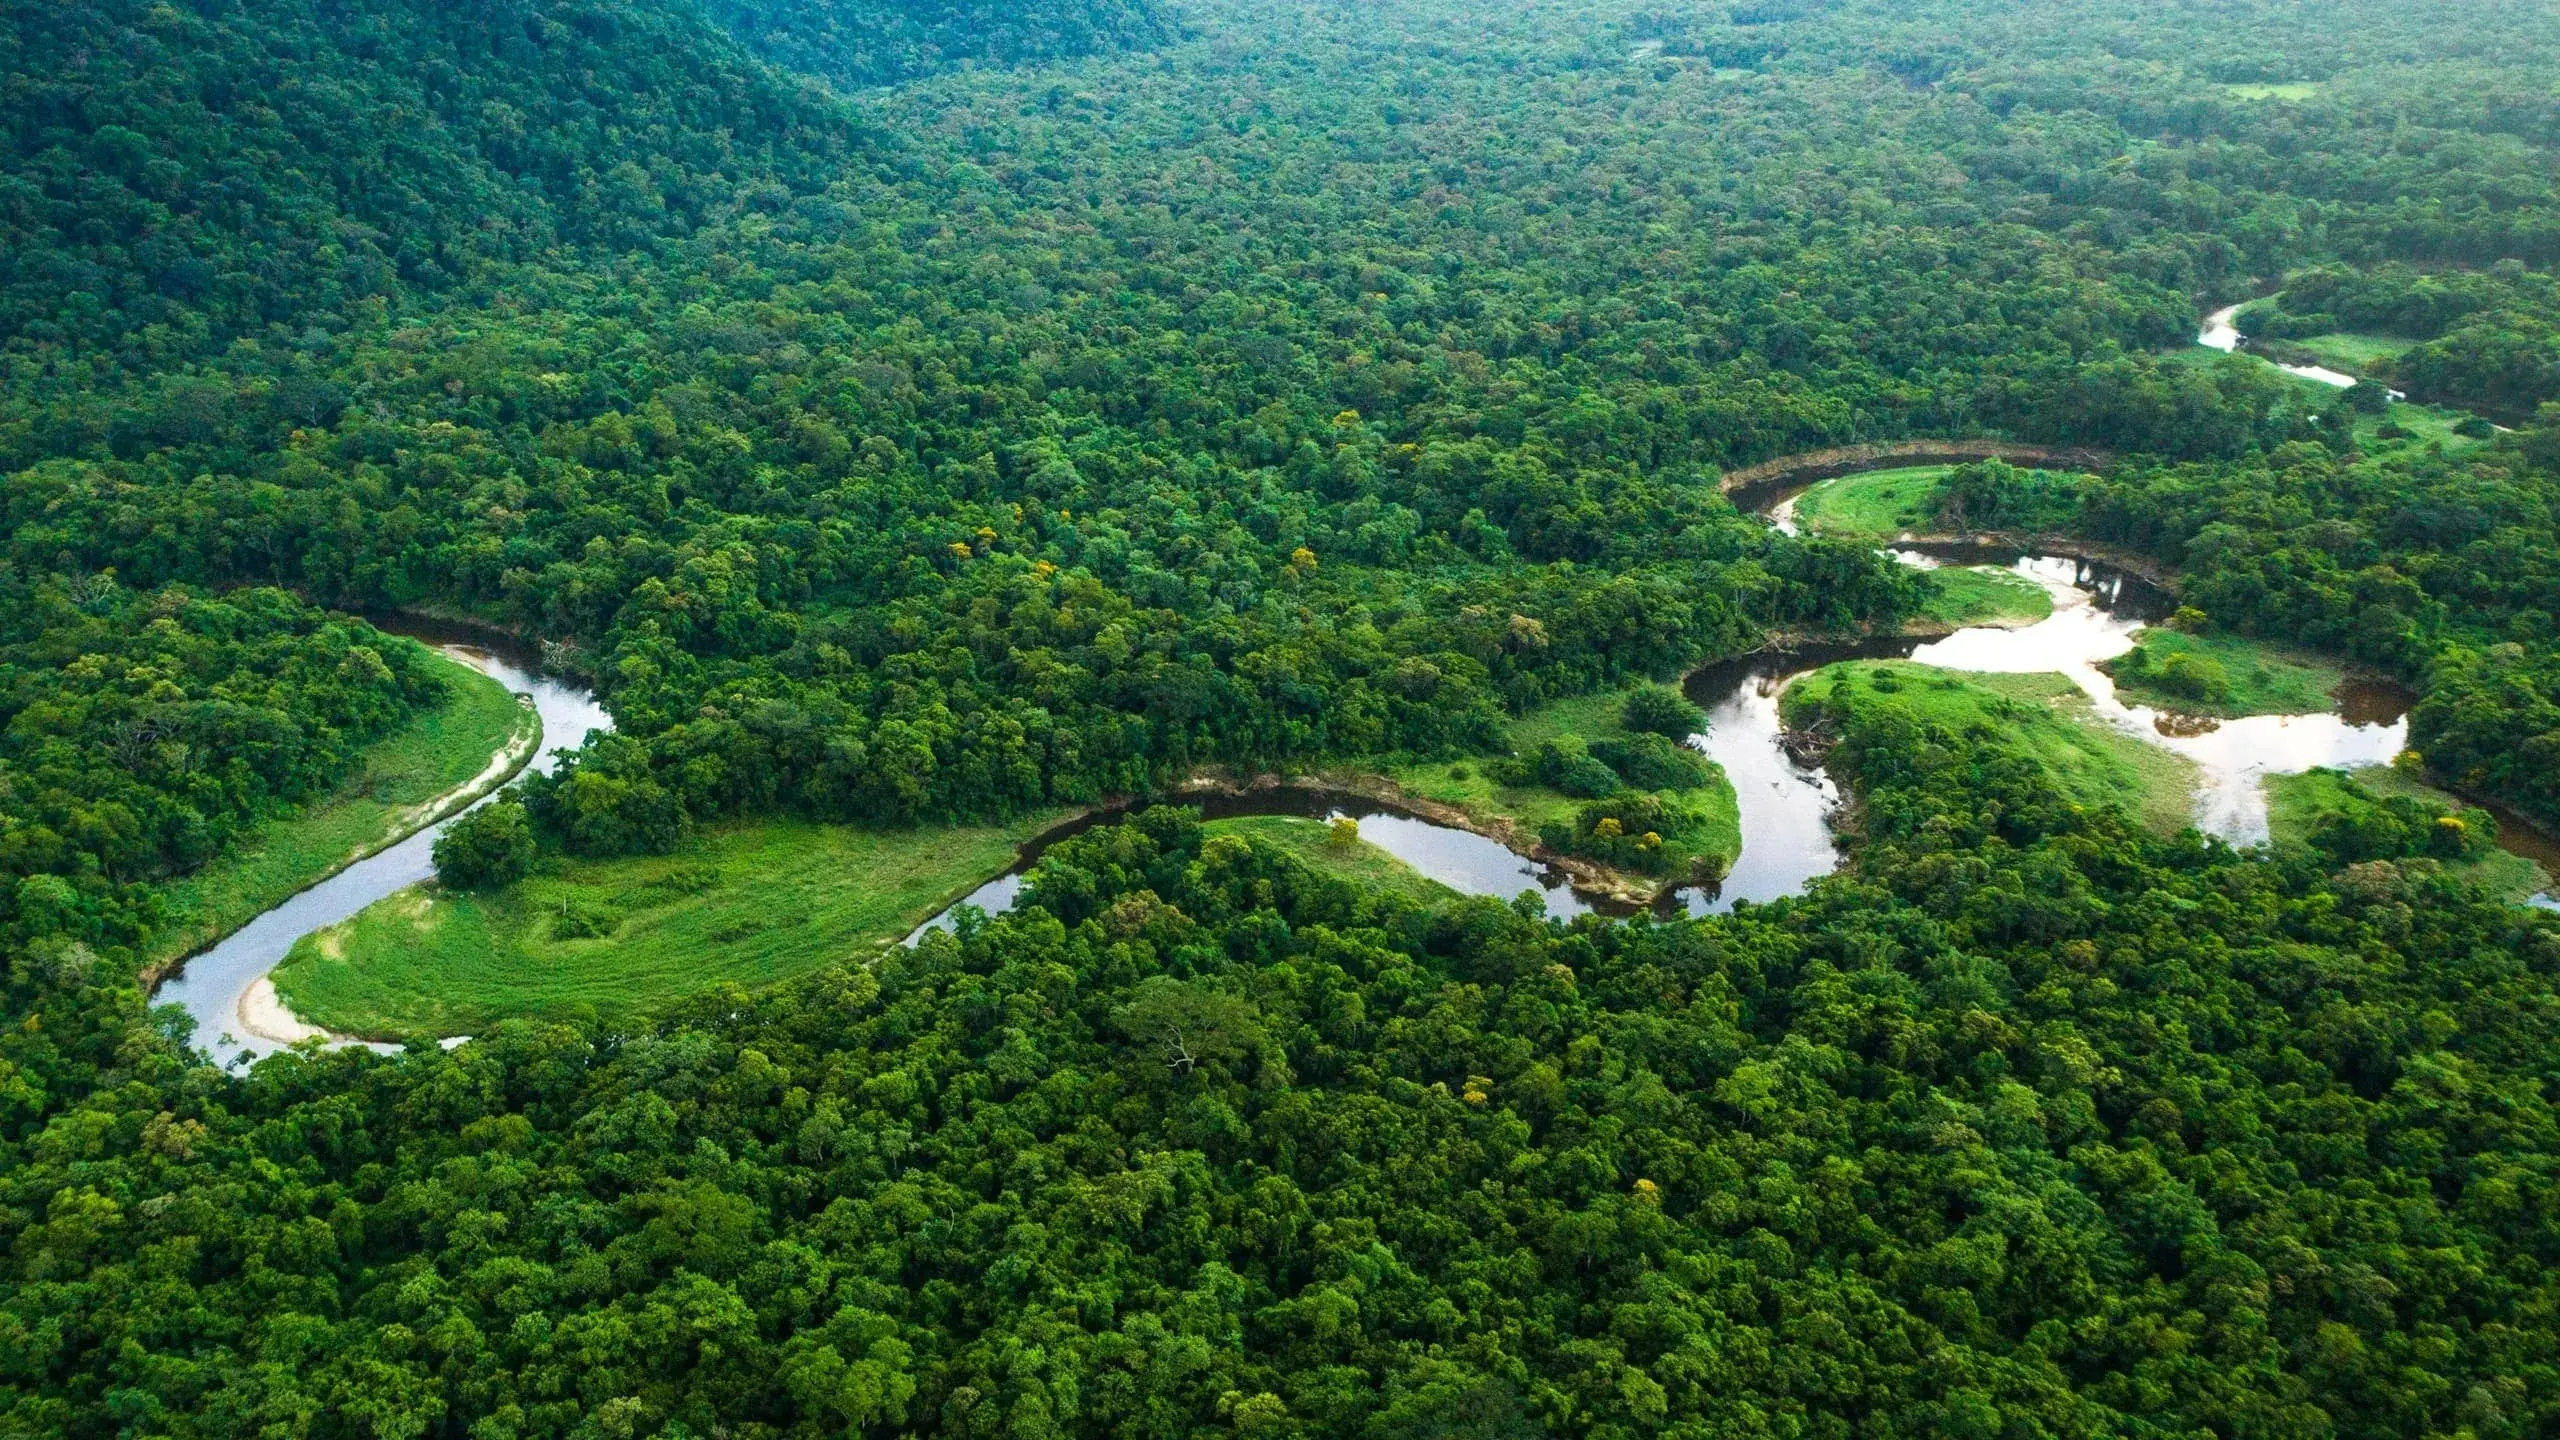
2440,570
1651,762
1564,764
177,175
486,848
2398,827
1995,495
1660,710
1637,832
2096,1120
1332,386
2492,339
878,42
140,732
2188,674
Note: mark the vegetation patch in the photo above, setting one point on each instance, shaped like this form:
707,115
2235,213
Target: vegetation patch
2044,720
2354,353
391,792
1875,505
1985,595
2221,674
742,903
1580,755
1325,846
2375,812
2276,90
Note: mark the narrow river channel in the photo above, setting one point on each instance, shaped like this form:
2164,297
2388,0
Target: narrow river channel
2222,332
225,988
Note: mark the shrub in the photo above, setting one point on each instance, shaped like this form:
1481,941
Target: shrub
1650,762
486,848
1659,710
2193,676
1631,832
1561,764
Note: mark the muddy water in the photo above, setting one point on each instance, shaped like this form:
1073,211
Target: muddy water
215,985
2091,622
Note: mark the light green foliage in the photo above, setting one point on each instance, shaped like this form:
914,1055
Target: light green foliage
2298,806
1320,847
2281,90
746,903
1559,741
1985,595
1874,505
2214,672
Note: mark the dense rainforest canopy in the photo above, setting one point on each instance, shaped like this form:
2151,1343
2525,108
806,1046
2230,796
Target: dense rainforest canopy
906,411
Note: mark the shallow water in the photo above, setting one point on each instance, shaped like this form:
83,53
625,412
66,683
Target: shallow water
2090,624
2222,333
213,982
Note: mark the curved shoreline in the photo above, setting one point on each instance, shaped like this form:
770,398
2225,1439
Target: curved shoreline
1589,878
505,763
1810,467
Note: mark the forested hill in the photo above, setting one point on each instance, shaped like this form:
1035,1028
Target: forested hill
876,42
179,175
175,176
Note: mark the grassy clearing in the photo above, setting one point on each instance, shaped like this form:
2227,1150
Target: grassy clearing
1986,595
2427,425
1467,785
1875,505
2296,804
2282,90
1363,863
2089,760
2356,354
750,903
2263,679
390,795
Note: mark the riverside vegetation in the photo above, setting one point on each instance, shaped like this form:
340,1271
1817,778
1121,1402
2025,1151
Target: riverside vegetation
920,420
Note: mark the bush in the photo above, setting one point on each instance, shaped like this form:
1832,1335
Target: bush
486,848
2194,676
1561,764
1650,762
584,920
2396,827
1659,710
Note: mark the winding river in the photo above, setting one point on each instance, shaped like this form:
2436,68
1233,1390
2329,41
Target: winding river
1785,808
2222,332
225,989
